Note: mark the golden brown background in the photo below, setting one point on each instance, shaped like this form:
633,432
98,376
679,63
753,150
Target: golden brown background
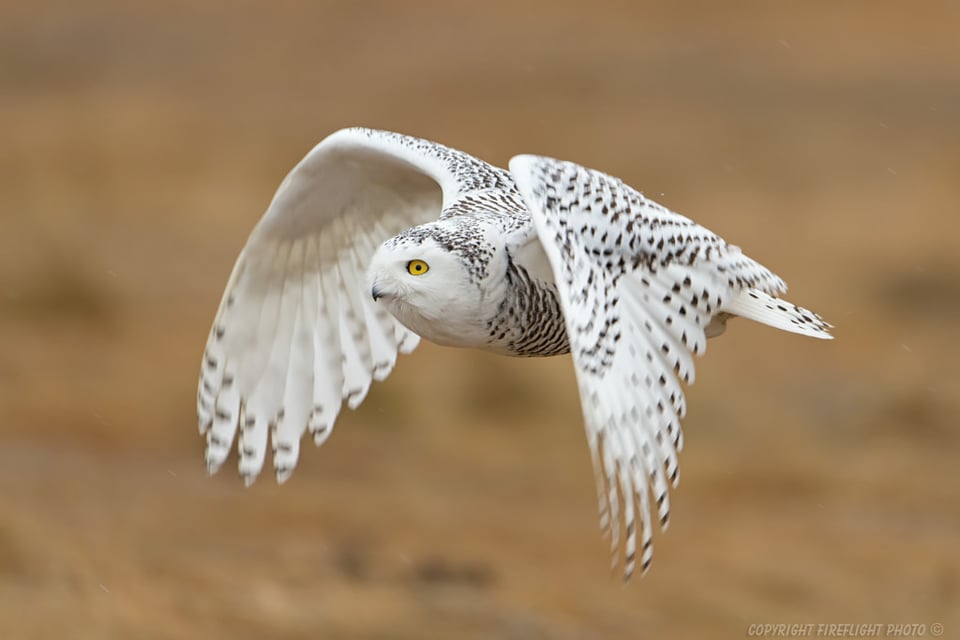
138,146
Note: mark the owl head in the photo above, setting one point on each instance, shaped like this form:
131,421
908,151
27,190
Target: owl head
435,284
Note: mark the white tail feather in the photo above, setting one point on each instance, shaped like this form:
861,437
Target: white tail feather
778,313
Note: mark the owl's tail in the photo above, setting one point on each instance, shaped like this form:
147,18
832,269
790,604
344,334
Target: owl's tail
775,312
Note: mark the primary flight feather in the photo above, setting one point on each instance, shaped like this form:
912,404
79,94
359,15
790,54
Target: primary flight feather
376,239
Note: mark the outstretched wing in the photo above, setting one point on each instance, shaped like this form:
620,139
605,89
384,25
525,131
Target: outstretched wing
638,285
296,332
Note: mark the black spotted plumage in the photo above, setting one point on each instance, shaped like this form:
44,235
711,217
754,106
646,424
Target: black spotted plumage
544,259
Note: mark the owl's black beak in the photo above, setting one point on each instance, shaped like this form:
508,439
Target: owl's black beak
376,292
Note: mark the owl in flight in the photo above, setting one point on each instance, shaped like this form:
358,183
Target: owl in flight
376,239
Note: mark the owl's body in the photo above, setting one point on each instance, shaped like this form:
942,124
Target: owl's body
376,239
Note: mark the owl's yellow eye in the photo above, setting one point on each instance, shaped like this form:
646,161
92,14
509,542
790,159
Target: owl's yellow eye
417,267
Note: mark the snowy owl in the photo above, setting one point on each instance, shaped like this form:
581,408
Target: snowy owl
376,239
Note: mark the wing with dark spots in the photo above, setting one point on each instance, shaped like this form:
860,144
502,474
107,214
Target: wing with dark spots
638,285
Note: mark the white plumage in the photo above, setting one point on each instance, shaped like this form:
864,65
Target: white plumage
376,239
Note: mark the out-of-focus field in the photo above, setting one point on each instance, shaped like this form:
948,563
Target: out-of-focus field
140,143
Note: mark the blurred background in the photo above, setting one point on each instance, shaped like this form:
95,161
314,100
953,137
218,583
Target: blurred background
139,144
